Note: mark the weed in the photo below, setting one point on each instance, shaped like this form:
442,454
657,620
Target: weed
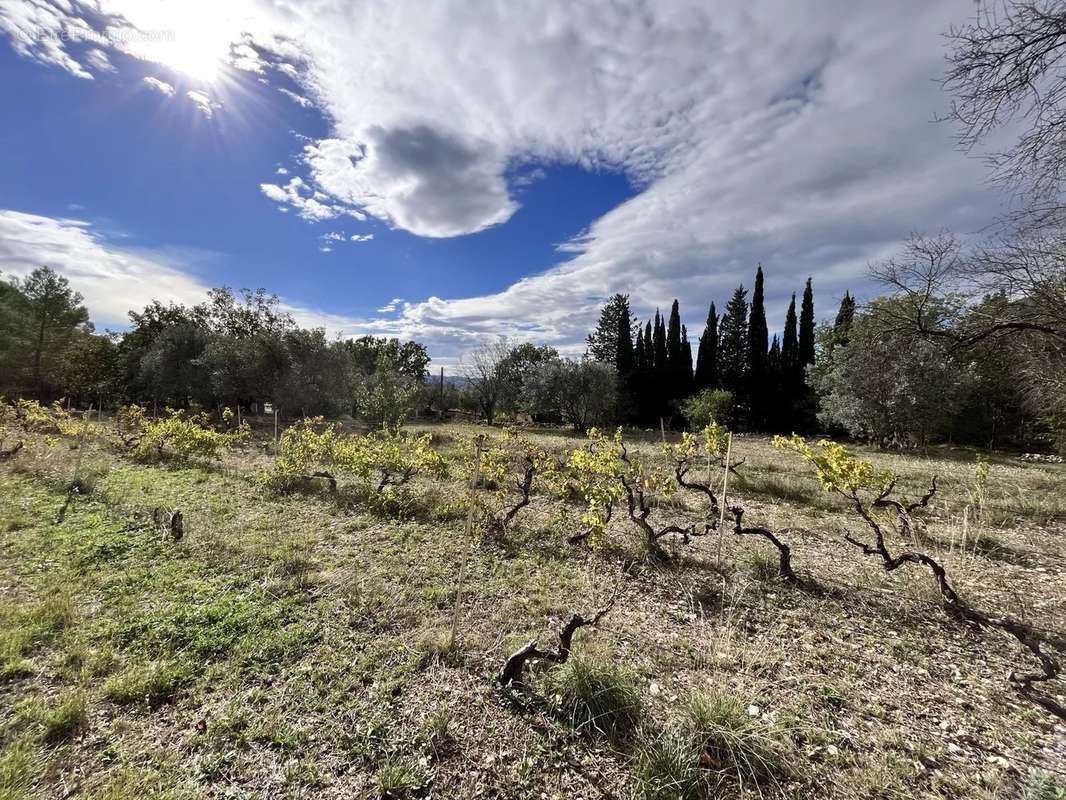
730,740
667,767
57,722
20,762
596,694
152,684
399,778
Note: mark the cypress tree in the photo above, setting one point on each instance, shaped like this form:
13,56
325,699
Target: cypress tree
638,351
661,361
624,359
756,388
806,327
807,402
789,369
625,363
685,369
675,379
842,325
732,345
649,348
775,409
707,354
789,344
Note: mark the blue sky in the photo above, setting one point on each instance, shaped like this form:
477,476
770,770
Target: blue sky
461,171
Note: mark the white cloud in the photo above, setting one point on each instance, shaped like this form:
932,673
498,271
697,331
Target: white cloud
113,279
203,102
390,306
798,135
364,237
160,86
291,194
98,60
299,99
282,171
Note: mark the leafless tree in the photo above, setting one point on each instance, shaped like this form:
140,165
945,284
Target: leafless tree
482,369
1005,67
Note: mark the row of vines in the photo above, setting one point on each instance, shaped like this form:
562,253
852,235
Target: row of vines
599,489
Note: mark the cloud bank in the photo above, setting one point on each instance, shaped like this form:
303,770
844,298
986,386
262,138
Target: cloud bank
794,135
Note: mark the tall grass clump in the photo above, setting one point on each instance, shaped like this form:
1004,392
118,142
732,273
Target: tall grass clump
598,695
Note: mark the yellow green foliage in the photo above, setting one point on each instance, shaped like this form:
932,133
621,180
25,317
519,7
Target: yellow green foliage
711,441
32,417
178,434
390,457
596,469
306,447
837,468
502,468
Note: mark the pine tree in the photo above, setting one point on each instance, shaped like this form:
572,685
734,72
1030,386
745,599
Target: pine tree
842,325
756,390
732,345
707,354
603,341
806,327
685,368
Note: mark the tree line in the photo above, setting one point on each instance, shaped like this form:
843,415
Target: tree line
739,372
229,351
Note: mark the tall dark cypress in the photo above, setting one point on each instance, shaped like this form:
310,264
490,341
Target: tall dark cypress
775,407
674,382
789,344
845,316
662,362
638,350
685,367
649,347
732,345
707,354
756,389
806,327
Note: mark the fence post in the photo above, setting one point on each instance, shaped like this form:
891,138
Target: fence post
725,497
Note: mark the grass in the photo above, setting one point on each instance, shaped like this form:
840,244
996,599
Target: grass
597,694
296,645
57,722
152,684
400,779
728,734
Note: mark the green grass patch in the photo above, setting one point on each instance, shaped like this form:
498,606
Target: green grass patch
153,684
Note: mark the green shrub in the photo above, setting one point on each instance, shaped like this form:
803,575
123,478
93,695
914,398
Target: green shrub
710,405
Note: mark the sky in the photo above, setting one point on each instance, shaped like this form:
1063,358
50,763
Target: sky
455,171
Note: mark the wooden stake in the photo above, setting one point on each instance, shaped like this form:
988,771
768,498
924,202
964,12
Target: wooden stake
725,496
662,428
466,539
